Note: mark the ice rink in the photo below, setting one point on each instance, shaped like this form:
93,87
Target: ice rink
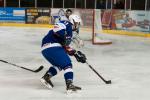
126,62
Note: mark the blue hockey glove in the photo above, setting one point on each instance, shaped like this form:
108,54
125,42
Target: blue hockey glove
80,57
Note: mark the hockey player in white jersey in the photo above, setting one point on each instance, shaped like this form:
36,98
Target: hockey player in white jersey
76,21
64,16
55,49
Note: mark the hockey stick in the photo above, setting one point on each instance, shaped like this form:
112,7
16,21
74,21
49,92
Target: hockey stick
106,81
35,71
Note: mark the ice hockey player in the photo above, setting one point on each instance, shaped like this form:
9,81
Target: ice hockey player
56,50
68,13
64,15
76,21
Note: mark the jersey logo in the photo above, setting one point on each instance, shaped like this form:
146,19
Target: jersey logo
58,27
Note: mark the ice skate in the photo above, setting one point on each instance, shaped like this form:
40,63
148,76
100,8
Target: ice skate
70,87
46,81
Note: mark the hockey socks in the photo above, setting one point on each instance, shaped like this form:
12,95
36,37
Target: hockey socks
68,73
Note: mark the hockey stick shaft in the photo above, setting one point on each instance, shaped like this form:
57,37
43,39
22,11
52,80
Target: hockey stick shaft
37,70
107,82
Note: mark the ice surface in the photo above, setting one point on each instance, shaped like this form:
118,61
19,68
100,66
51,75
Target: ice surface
126,62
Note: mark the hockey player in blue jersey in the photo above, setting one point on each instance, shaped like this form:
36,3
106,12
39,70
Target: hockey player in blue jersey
56,50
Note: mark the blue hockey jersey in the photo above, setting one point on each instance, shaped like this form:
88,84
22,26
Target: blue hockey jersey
63,36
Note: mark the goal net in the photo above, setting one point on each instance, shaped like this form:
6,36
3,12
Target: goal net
91,27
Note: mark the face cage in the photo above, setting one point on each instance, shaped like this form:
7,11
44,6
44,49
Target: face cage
75,26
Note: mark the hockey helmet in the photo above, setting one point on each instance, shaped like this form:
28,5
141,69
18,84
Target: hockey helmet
74,19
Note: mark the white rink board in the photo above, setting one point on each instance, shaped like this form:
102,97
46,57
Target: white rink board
126,62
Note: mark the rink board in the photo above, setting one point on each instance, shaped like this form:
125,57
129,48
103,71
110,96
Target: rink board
118,32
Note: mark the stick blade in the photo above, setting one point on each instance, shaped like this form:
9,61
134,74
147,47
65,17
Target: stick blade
39,69
108,82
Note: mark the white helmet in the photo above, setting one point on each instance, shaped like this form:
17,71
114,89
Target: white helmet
58,27
74,18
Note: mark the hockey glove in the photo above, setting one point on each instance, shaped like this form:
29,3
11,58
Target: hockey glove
80,57
69,50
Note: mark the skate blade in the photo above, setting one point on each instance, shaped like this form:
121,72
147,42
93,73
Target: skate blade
70,92
46,84
73,91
